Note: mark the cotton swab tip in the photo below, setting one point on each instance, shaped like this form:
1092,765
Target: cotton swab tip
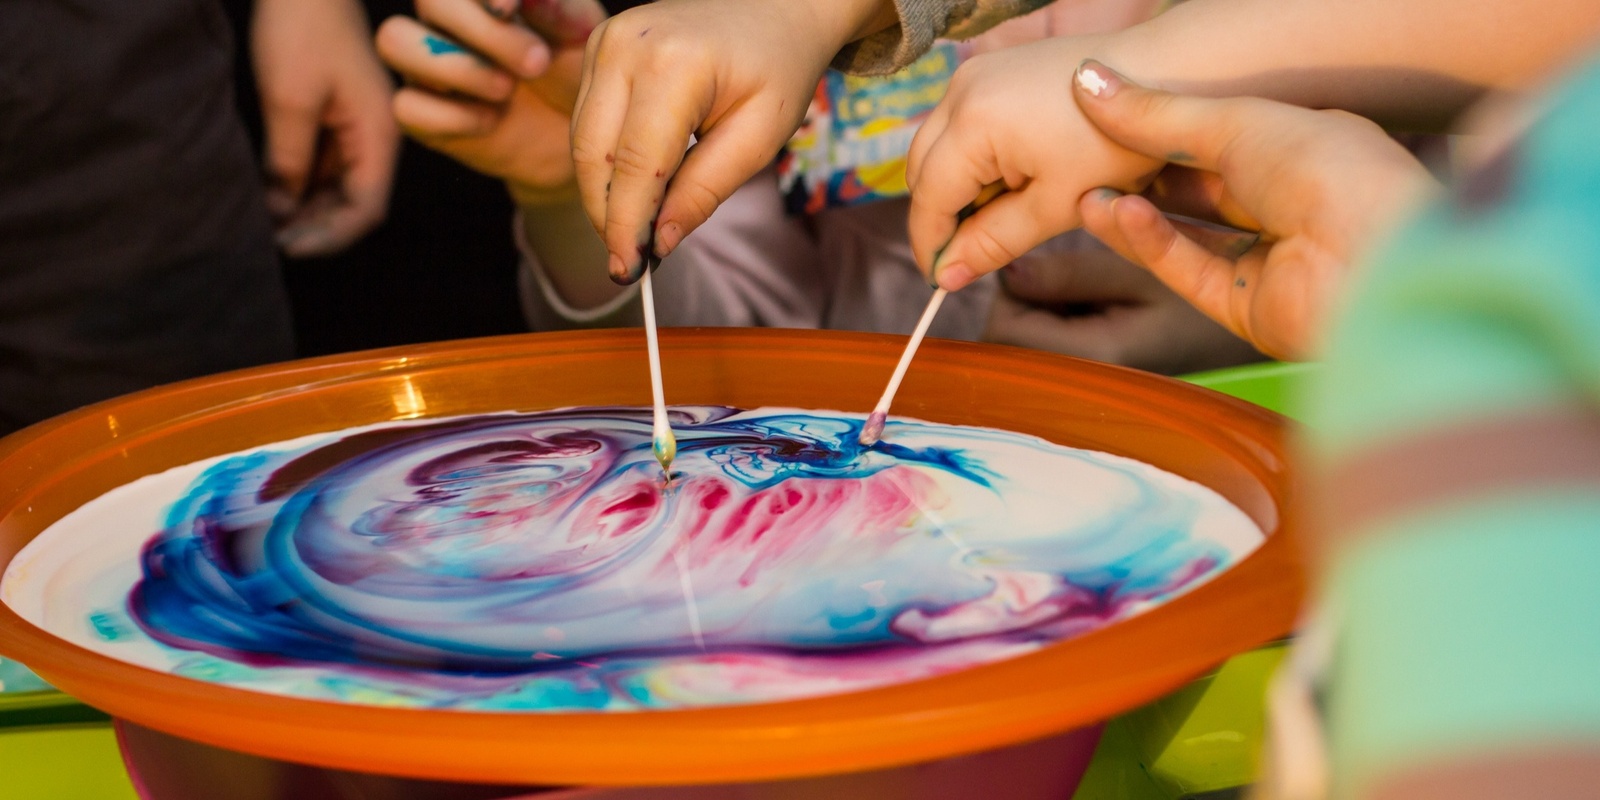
873,429
665,447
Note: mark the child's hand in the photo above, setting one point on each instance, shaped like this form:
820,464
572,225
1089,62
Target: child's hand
736,74
1008,118
488,93
1071,295
330,141
1318,185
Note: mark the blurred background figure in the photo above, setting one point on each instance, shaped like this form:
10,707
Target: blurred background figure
136,246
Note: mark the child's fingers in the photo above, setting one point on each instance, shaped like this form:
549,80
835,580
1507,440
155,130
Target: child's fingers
1198,194
422,56
654,136
512,46
586,69
329,222
429,117
1179,129
324,227
999,233
1095,209
1195,273
717,165
290,143
948,180
597,118
929,132
355,173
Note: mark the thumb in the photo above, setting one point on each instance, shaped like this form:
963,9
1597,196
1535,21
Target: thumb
1181,129
721,161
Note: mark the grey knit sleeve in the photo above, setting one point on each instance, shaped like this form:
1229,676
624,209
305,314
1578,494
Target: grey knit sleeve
921,22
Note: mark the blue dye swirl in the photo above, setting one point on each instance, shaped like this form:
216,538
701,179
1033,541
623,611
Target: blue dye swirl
535,560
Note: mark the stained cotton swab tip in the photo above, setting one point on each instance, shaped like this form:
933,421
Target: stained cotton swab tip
873,429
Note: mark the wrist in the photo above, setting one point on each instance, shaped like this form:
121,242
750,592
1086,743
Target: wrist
844,21
871,16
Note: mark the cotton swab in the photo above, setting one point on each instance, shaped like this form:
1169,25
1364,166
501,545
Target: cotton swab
873,429
880,414
662,442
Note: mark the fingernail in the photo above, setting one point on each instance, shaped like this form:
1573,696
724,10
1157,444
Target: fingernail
504,9
622,272
1104,196
535,62
667,238
1096,80
1244,243
956,276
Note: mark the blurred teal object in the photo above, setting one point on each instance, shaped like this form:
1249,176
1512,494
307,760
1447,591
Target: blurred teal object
15,678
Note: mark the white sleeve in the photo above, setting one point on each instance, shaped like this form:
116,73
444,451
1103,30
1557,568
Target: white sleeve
545,310
750,265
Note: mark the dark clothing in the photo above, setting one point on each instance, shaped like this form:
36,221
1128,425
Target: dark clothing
615,7
135,248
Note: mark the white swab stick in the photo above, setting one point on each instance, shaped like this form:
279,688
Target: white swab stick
874,427
663,442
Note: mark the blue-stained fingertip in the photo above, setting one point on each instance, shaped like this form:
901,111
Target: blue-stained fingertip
627,272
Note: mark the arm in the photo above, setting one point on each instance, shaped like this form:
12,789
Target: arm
1414,65
1008,116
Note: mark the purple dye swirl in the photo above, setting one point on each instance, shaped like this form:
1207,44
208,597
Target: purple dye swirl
536,562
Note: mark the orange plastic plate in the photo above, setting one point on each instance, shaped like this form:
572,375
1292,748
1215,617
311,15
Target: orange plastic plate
1235,448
